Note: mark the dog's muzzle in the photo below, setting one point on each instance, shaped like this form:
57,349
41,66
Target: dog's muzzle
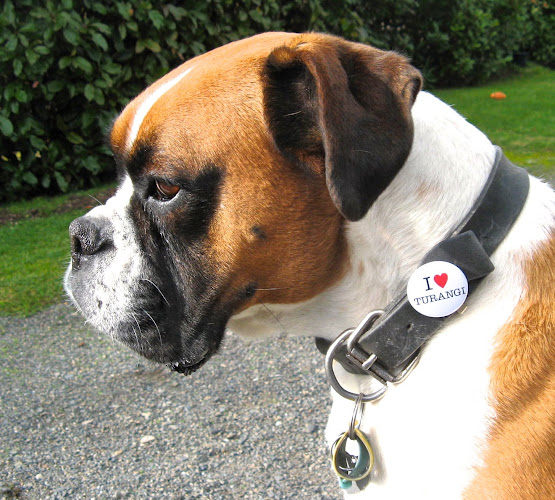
122,292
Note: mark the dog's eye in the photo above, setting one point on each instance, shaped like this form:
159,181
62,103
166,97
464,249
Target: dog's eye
165,191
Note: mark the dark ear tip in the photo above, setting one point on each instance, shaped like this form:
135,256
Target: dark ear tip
351,204
353,212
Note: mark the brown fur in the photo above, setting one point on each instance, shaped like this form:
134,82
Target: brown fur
276,217
223,125
216,116
342,108
520,459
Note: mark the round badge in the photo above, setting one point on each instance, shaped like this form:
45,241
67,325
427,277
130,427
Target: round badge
437,289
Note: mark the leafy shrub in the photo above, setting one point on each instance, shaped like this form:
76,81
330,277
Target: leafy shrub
540,39
68,67
459,42
481,37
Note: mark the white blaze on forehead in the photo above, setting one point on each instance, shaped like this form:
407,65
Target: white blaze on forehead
147,103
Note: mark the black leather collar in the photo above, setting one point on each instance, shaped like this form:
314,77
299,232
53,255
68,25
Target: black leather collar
397,337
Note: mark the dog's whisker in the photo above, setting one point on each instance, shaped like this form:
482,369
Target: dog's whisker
273,315
139,343
156,326
157,288
136,335
96,199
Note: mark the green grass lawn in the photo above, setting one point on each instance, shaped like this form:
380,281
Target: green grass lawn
33,256
34,250
523,124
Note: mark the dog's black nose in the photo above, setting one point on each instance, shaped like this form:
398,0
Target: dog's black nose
87,238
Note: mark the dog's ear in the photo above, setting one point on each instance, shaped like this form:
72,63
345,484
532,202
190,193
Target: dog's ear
344,109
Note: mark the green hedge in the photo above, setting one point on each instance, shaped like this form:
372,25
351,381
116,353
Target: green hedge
539,34
67,68
457,42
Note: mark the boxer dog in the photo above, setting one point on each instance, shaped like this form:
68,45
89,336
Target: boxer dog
295,182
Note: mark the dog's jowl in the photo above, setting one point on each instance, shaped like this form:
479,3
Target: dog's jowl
305,179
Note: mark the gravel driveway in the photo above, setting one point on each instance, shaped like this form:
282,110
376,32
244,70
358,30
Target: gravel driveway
83,417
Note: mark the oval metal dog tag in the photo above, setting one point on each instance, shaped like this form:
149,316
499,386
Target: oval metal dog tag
352,458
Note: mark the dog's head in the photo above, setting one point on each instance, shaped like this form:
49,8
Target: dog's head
237,172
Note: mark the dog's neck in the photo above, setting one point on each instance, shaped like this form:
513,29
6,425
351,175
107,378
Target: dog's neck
448,165
427,200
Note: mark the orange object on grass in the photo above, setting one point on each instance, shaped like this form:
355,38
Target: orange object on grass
498,95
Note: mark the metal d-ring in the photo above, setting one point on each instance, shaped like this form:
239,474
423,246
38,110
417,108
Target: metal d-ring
332,379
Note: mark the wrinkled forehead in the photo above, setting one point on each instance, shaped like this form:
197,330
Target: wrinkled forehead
205,95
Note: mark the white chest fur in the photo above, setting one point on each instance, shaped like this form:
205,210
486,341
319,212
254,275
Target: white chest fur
429,432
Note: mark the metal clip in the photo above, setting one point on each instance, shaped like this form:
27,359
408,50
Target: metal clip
364,360
352,455
352,465
330,355
354,352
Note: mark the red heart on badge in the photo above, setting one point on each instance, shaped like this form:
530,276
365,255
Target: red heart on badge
441,279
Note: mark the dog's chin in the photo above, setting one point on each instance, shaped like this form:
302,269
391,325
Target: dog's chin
181,354
150,328
185,364
187,368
